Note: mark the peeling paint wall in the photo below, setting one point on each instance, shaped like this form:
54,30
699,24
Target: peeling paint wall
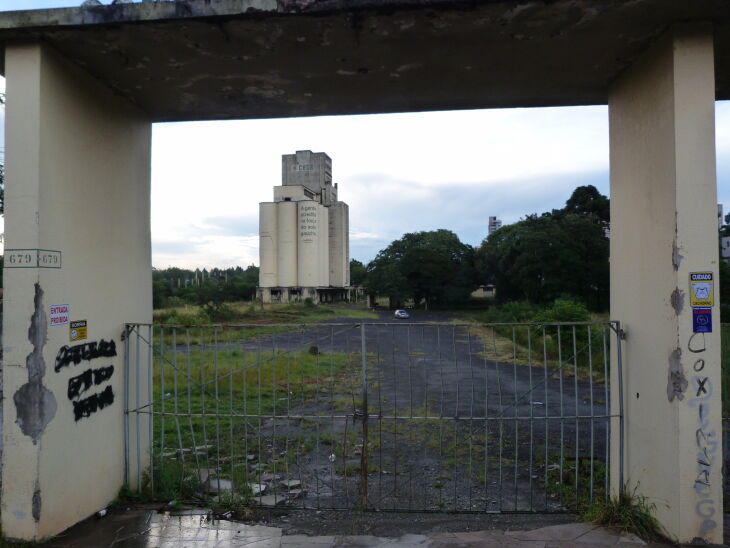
35,405
677,381
677,300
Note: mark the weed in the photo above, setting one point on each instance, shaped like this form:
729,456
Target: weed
576,494
126,496
631,512
231,503
326,438
171,481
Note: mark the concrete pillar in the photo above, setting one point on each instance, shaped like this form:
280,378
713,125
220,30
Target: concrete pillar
77,248
664,227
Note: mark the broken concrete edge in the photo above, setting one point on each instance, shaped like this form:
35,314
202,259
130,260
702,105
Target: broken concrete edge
170,10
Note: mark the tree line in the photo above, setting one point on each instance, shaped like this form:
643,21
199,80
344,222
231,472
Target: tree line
179,286
558,254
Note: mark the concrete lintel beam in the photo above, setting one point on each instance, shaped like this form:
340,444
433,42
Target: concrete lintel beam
202,60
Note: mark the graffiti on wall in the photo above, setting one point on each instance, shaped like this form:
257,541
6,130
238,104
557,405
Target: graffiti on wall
68,355
705,437
79,385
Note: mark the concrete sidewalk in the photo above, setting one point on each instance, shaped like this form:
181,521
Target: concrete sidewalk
195,529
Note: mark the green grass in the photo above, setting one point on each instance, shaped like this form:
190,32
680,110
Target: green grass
221,409
237,383
190,325
292,313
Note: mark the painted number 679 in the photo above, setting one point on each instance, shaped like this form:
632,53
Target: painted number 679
20,258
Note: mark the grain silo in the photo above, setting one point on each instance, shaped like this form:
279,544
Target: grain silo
339,249
286,251
268,271
304,234
309,246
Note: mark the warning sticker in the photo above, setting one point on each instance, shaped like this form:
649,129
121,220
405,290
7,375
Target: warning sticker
77,330
701,290
702,320
58,314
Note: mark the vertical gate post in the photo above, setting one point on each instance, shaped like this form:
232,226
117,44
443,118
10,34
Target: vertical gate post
365,413
664,232
127,463
620,384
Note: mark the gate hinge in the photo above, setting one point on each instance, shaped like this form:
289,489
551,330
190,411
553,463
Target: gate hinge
619,330
127,330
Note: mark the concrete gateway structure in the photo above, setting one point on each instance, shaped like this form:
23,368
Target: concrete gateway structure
84,86
304,239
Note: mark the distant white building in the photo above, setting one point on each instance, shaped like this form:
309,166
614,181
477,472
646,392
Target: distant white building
494,224
304,243
725,248
720,216
487,291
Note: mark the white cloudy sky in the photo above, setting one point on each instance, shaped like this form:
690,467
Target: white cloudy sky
399,173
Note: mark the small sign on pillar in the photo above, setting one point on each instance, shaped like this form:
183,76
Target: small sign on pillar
701,290
702,320
701,299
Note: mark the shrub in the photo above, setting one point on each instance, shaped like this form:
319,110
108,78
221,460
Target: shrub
572,339
172,482
219,312
176,316
511,312
563,310
175,302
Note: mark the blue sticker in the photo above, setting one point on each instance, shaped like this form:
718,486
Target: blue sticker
702,320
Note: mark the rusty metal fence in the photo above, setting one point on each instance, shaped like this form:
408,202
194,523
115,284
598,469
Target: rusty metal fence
382,416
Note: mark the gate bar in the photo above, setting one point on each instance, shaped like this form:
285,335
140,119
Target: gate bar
365,412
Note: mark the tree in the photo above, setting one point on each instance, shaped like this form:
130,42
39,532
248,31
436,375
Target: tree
724,269
431,267
357,272
218,285
586,200
542,258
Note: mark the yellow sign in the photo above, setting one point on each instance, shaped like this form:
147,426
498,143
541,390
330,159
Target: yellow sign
77,330
701,289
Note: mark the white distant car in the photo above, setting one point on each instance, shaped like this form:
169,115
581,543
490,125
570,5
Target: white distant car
402,315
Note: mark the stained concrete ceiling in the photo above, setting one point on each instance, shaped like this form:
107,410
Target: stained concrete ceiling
221,59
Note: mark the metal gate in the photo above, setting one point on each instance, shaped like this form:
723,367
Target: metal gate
383,416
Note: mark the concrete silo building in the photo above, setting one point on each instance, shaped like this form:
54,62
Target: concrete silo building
304,244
